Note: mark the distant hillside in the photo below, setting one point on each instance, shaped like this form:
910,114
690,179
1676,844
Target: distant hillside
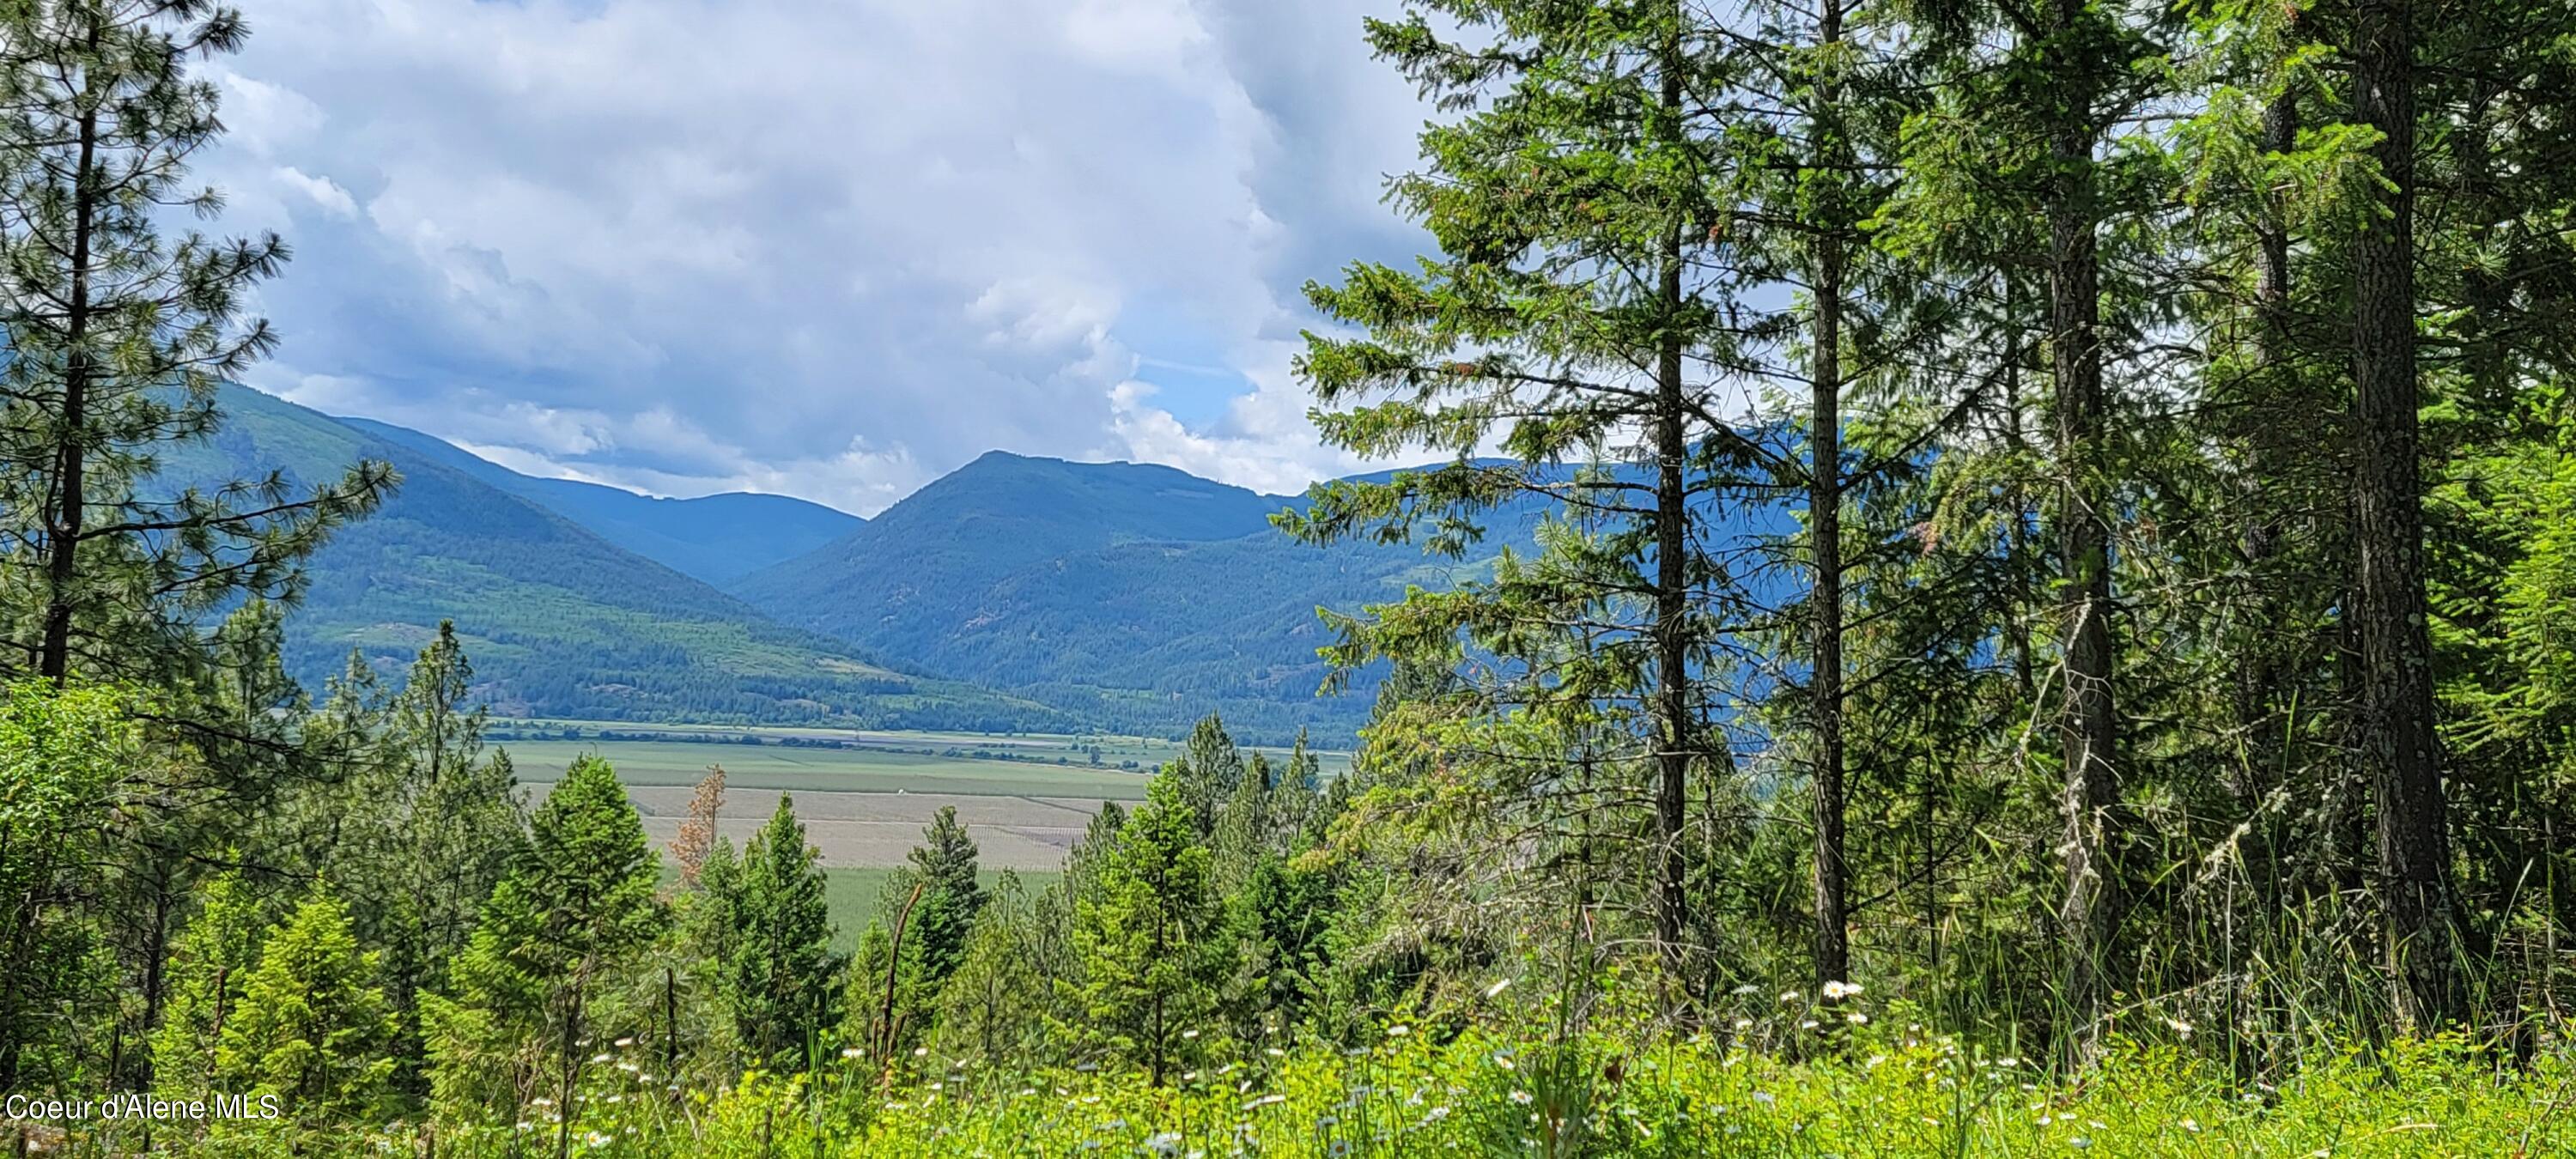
1137,596
715,538
559,621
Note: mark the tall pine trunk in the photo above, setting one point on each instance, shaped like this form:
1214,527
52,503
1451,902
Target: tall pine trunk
2088,724
71,493
2414,847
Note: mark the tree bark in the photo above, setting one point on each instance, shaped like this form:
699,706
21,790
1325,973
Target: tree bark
1672,636
71,497
2088,723
1824,513
2397,662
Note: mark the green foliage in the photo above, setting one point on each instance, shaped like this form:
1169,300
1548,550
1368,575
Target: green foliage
1144,927
951,895
211,965
785,981
61,750
119,332
557,940
312,1026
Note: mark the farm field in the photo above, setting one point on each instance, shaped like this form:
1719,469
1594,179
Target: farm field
801,769
864,809
1118,753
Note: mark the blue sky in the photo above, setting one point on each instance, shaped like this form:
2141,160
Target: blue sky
827,248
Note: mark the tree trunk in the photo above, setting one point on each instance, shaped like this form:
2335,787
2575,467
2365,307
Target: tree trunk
1824,512
2414,853
70,492
2088,724
1672,637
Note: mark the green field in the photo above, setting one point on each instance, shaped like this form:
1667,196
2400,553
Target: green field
865,799
852,896
850,770
1020,750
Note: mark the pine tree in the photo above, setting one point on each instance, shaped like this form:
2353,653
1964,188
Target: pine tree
992,1008
785,978
118,339
313,1026
1208,770
2423,938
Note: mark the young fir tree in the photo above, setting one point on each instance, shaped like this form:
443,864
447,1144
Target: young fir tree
786,980
118,339
210,967
1144,928
951,897
556,935
313,1026
1574,314
417,828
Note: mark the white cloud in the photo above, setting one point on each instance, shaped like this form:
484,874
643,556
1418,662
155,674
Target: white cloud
322,191
830,248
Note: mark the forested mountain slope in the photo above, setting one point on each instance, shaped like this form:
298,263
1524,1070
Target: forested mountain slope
1135,595
714,538
559,620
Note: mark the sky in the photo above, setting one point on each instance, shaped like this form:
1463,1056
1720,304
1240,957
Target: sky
824,248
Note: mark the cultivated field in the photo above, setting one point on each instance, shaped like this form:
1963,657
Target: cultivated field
865,796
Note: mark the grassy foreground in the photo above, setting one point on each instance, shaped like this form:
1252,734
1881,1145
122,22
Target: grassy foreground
1880,1093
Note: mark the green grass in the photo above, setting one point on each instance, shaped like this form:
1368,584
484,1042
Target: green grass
851,895
1498,1088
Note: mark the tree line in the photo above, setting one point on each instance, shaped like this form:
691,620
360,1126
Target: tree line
2163,640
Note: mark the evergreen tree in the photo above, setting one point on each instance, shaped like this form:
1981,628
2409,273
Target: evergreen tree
1208,770
951,896
312,1026
1243,835
210,968
420,825
785,977
1574,316
992,1008
118,338
1144,928
557,933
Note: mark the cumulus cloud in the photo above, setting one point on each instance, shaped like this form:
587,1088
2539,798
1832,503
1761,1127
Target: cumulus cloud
830,248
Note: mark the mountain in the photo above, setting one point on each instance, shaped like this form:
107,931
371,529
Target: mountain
715,538
1134,596
559,621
